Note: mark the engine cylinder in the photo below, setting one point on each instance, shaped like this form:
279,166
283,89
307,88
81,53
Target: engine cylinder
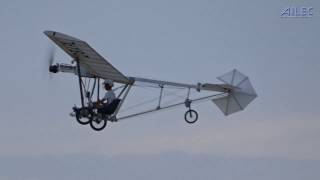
53,68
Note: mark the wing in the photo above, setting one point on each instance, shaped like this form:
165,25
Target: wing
87,56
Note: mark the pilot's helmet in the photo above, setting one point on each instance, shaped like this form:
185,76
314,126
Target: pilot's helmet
108,82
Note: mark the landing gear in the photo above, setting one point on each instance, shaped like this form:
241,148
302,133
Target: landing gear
95,113
82,115
90,115
98,123
191,116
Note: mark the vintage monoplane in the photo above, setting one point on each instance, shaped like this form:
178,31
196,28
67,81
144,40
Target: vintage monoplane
233,95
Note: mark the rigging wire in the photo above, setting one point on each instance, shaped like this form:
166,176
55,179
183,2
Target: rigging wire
151,100
93,87
83,83
88,84
197,100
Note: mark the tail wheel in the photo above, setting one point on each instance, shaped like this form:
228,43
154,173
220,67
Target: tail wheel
98,124
191,116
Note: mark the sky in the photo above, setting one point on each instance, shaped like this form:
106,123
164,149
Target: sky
275,137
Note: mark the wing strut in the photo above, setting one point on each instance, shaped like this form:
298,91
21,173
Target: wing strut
80,82
98,91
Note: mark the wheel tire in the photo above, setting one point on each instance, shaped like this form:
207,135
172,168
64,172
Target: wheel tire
191,116
82,120
98,126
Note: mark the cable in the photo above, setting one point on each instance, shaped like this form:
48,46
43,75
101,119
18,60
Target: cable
149,101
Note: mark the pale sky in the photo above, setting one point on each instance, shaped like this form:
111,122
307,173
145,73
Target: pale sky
183,41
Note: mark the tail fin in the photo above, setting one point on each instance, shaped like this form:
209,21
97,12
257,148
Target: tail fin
240,92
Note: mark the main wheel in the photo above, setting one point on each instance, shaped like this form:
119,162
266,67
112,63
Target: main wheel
83,119
98,124
191,116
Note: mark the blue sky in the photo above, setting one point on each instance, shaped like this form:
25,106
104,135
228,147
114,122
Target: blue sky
183,41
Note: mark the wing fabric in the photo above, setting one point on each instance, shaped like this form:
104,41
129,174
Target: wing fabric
87,56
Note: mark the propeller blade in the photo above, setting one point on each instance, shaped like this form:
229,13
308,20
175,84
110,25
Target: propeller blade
49,60
50,56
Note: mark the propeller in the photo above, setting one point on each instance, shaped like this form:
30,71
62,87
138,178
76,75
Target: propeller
50,56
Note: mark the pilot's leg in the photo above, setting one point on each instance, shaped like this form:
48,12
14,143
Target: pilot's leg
103,109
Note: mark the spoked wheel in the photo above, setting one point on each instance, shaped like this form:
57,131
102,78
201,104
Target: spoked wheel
83,119
191,116
98,124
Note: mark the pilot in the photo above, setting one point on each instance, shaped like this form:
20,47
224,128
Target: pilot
108,98
109,95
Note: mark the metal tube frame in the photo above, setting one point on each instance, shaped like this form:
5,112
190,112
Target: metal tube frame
125,90
80,82
170,106
160,98
162,83
187,102
98,90
93,88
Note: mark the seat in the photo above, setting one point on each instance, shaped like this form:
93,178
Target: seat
111,108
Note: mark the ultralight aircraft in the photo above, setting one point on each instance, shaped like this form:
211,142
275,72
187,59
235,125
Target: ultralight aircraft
232,95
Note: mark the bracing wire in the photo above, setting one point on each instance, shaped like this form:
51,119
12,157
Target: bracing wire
83,83
88,84
153,100
93,87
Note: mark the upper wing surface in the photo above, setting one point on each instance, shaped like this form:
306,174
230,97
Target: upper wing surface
87,56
